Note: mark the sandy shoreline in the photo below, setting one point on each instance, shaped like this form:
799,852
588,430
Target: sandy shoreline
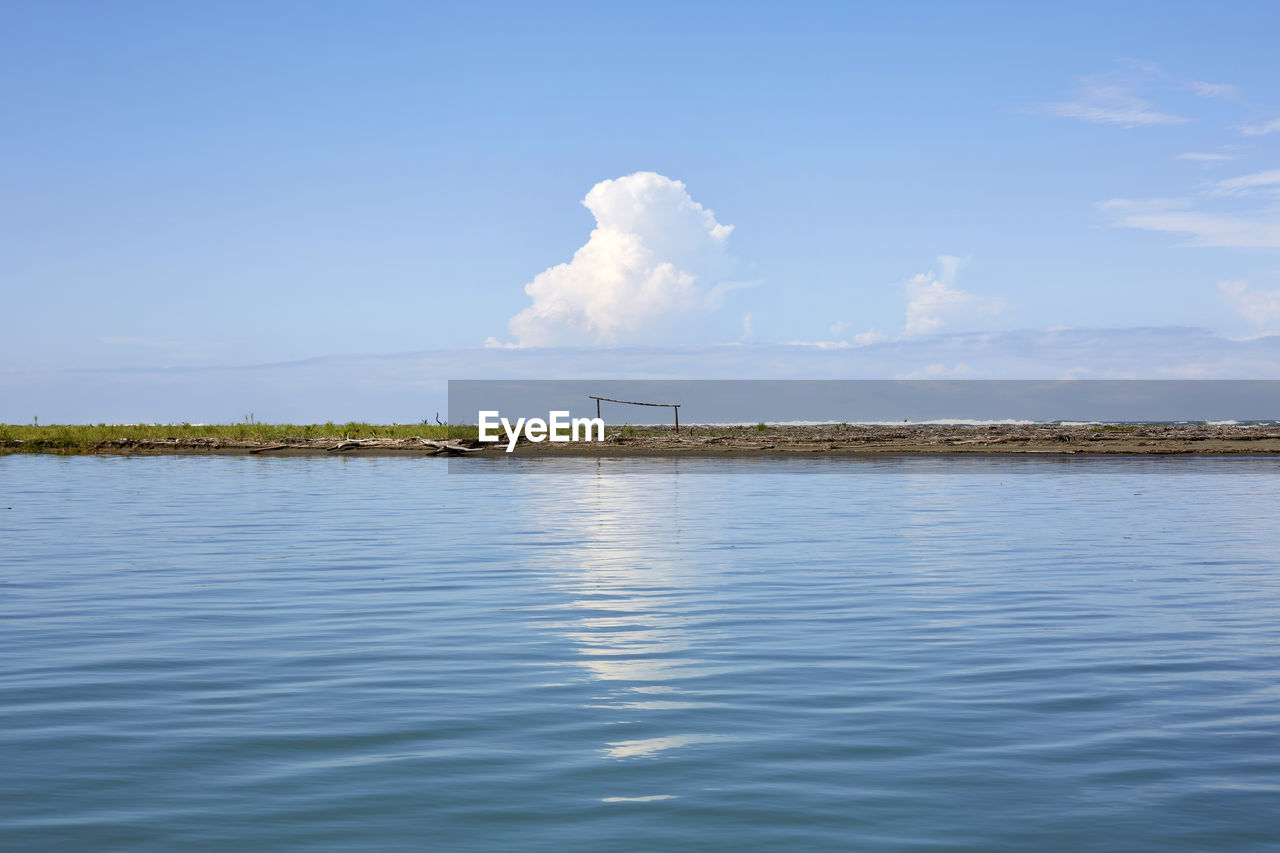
844,440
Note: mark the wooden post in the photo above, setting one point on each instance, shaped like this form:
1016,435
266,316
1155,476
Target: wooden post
675,407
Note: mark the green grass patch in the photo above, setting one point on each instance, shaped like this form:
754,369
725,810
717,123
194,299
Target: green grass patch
85,438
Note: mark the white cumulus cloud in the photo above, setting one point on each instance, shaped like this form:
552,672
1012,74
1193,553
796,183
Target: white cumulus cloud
655,254
932,300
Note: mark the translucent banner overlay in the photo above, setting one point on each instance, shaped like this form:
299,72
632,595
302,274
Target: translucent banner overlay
858,401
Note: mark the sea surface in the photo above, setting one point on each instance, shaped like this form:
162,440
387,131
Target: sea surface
936,654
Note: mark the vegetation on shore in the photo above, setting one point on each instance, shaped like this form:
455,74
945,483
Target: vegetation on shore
74,438
435,439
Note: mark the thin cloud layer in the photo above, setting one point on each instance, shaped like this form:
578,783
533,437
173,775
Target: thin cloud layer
654,254
1247,229
1202,157
1262,128
411,387
1227,91
1109,100
1259,183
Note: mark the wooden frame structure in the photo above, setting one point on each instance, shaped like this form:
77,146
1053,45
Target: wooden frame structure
675,407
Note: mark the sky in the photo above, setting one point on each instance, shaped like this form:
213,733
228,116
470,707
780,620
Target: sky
315,211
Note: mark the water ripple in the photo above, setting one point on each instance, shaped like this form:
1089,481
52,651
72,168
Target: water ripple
895,654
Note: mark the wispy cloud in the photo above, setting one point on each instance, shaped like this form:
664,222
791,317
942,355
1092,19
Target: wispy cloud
862,339
1258,230
869,337
933,300
1207,218
1214,90
1260,128
1259,183
938,370
819,344
1202,157
1109,99
1259,308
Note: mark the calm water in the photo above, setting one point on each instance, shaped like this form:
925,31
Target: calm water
653,654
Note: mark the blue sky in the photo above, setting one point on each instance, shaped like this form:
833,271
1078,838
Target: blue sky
913,189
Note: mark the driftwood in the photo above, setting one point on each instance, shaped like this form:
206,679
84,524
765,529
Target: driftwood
438,447
349,444
452,447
